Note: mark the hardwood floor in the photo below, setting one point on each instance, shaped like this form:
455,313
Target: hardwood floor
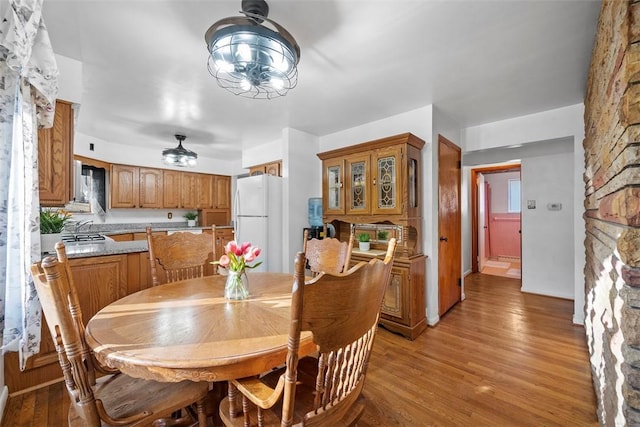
499,358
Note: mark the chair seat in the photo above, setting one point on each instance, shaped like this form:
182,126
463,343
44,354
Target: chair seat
305,387
123,396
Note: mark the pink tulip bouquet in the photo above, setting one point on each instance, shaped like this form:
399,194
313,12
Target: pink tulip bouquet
238,257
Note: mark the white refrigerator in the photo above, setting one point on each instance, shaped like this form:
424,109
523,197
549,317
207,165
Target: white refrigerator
258,218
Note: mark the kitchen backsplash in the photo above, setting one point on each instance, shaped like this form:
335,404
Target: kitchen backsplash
120,216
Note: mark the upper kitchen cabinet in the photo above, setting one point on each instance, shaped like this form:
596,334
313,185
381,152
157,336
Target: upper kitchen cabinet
196,190
373,181
273,168
151,188
55,157
222,192
136,187
171,188
141,187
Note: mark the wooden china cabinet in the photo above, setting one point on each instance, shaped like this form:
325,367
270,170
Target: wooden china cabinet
377,186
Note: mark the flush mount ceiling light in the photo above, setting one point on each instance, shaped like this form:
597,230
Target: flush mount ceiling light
179,156
249,59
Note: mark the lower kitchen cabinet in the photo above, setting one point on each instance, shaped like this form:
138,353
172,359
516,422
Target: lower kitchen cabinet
404,305
223,236
99,281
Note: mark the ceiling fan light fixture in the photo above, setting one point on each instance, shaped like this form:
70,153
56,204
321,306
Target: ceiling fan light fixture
249,59
179,156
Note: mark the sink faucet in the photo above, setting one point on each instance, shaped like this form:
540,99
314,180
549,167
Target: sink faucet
77,227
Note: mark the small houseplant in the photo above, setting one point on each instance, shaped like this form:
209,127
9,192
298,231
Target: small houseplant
52,223
364,241
191,218
383,235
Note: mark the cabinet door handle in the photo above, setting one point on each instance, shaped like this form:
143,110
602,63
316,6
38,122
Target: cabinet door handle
443,239
374,181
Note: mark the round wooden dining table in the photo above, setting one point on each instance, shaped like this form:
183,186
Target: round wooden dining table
187,330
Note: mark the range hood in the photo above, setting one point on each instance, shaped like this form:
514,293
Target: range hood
89,184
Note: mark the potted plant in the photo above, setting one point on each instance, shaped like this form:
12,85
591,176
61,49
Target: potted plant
382,235
52,223
364,241
191,218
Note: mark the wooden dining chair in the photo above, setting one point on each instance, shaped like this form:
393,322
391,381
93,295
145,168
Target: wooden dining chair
342,312
180,256
328,255
113,399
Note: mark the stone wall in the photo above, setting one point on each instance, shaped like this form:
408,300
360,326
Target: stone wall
612,204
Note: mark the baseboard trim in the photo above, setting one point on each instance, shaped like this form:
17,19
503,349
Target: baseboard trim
4,397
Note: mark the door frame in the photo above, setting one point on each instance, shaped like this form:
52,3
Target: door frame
474,205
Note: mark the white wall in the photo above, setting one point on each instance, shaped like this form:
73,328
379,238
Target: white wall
138,154
499,184
547,257
302,173
446,126
265,153
562,123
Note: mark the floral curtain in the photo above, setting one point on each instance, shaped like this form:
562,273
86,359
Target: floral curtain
28,89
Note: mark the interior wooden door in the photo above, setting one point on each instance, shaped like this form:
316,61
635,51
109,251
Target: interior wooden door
483,221
449,225
487,221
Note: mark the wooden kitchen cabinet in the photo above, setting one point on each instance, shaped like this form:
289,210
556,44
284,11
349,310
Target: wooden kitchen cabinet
222,192
195,190
136,187
125,186
220,214
273,168
204,186
140,187
223,236
55,158
99,282
151,188
404,305
171,189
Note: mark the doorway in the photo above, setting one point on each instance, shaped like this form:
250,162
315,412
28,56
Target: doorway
496,222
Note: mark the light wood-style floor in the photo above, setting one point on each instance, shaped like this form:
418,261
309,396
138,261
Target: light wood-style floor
499,358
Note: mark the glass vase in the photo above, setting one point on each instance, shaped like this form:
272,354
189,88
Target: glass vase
237,286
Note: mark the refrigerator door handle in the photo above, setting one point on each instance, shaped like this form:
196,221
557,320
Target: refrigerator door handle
236,208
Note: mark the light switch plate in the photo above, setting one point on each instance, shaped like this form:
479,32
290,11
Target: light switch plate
531,204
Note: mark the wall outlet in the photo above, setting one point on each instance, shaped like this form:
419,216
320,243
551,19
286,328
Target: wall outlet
170,215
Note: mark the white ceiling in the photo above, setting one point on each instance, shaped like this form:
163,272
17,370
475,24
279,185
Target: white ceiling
145,65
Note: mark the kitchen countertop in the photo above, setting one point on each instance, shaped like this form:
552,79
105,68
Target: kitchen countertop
106,247
111,247
111,229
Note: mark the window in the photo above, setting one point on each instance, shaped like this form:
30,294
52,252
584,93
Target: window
514,195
